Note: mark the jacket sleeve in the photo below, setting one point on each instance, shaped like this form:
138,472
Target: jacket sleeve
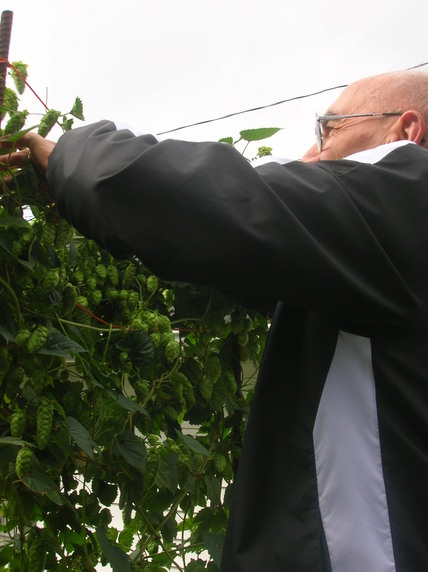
344,238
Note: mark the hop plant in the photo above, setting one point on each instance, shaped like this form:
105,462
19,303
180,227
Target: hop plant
102,391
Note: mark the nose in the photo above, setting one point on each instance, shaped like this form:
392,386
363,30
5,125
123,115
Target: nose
312,154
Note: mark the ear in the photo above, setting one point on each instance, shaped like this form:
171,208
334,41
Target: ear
411,126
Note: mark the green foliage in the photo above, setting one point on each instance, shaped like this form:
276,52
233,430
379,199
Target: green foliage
119,392
253,135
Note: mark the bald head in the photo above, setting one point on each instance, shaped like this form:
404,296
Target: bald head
395,91
404,91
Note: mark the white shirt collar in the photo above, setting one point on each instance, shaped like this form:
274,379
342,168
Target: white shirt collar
378,153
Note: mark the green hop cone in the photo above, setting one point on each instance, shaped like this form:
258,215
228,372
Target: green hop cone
111,293
167,337
23,462
48,234
170,412
22,337
172,351
16,122
101,271
133,299
77,276
220,462
17,423
18,375
17,248
152,467
18,72
129,276
213,368
10,102
163,324
44,423
219,395
37,379
91,283
184,468
242,338
82,301
36,557
156,339
113,275
37,339
96,297
152,284
230,382
69,297
49,281
48,121
206,388
64,232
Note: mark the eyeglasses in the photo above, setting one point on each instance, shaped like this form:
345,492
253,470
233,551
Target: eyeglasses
320,119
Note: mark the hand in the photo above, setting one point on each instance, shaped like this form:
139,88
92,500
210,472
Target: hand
40,149
37,149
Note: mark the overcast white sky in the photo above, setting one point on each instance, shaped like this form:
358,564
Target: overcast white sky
161,64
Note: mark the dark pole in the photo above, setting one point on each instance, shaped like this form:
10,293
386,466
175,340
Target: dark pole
5,33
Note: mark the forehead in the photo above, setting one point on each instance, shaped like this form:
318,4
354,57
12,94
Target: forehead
349,101
361,96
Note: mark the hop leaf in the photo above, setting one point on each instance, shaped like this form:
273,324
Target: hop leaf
77,109
258,134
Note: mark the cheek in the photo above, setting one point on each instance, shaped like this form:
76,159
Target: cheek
345,143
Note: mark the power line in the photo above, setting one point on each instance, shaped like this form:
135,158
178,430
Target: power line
252,109
295,98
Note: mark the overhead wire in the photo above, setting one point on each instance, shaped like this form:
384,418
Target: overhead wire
259,108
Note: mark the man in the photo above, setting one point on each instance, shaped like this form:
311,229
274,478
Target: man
334,470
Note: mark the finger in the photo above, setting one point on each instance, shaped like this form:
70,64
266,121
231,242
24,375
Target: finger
17,159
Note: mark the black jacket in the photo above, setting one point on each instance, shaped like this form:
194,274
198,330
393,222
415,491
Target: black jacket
334,471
